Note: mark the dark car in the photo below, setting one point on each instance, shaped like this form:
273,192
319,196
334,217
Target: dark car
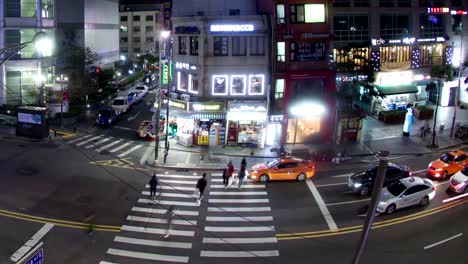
362,183
106,116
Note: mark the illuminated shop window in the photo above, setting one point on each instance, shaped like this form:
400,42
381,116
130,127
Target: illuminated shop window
219,85
256,84
280,15
281,51
238,84
308,13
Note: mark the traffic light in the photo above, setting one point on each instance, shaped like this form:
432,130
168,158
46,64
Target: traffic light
97,70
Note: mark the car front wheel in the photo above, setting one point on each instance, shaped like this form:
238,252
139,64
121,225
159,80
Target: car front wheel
424,201
390,209
364,191
301,177
264,178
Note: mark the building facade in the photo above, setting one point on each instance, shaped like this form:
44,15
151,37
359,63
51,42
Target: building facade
140,27
221,72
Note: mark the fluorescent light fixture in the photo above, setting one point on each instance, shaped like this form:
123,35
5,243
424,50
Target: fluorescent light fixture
179,78
190,84
245,116
232,28
307,109
243,79
314,13
261,78
219,80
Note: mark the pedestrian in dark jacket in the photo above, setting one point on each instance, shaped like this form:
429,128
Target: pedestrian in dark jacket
243,163
241,176
153,183
226,177
201,185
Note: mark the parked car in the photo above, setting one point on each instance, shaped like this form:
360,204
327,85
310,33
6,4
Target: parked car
448,164
135,96
363,182
282,169
406,192
143,88
120,105
106,116
459,181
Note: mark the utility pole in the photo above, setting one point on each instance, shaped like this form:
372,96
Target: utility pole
459,83
433,137
164,36
382,169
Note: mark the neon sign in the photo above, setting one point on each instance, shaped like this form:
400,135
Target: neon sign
438,10
232,28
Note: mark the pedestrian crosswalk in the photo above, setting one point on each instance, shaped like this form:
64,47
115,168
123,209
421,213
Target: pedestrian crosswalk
117,147
230,224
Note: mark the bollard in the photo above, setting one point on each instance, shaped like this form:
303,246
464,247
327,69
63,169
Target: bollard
55,132
74,129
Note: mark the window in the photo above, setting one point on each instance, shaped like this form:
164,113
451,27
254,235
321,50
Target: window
341,3
361,3
149,28
220,45
124,39
396,54
280,15
136,40
386,3
17,36
288,165
279,89
394,26
307,51
193,83
431,26
219,84
411,190
457,24
149,18
136,50
358,56
424,3
20,8
433,3
234,12
308,13
404,3
239,46
47,8
149,39
194,46
136,29
136,18
281,51
351,28
256,84
123,18
460,158
123,28
183,45
238,84
392,172
257,46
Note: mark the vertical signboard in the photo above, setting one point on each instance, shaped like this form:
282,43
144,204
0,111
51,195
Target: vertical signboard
167,15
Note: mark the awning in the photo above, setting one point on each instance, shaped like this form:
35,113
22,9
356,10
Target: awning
397,89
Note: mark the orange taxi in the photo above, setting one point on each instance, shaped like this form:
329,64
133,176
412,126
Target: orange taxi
282,169
448,164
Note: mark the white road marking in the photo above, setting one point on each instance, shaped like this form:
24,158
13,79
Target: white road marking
153,243
105,262
443,241
133,117
330,184
238,200
174,188
455,198
209,240
246,186
109,145
238,219
238,193
167,194
141,255
88,140
159,220
31,242
163,211
239,228
239,254
342,175
239,209
179,182
441,183
323,208
187,159
79,138
98,143
124,128
159,201
348,202
119,147
178,176
221,180
123,154
216,174
419,171
145,156
160,231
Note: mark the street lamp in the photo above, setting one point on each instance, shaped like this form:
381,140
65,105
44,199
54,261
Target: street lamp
62,79
123,58
457,61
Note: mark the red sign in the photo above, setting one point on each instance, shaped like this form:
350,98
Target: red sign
458,12
438,10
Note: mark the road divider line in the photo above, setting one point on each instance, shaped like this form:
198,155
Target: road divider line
330,184
348,202
31,242
442,241
323,208
239,254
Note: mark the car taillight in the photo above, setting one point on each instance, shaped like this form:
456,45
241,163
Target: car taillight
410,173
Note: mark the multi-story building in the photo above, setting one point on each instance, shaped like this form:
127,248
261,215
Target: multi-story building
403,40
303,86
220,72
93,23
139,30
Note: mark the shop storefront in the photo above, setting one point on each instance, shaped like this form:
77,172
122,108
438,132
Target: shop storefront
247,123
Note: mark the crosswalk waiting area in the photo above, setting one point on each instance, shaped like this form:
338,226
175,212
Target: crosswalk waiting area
118,147
229,225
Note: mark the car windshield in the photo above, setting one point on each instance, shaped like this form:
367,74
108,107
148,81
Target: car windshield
465,171
396,188
132,94
372,172
105,113
447,158
272,163
118,102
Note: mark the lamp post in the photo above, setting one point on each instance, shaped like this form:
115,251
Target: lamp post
62,79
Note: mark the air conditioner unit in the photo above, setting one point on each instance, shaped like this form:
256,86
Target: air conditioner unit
200,13
173,95
185,97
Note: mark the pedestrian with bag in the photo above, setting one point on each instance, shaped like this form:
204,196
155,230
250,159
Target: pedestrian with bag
231,172
169,215
153,183
201,185
226,177
241,176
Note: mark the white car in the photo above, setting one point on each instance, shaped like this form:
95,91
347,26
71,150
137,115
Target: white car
459,181
135,96
406,192
120,105
143,88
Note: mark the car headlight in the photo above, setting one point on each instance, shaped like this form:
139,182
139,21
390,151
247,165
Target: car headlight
110,121
357,185
383,202
254,171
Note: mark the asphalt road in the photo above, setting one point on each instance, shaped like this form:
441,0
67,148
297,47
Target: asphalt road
95,181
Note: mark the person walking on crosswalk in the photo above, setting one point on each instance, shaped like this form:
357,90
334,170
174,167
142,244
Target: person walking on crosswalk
201,185
241,176
169,215
226,177
153,183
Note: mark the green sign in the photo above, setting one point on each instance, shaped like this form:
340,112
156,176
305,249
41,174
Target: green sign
165,74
